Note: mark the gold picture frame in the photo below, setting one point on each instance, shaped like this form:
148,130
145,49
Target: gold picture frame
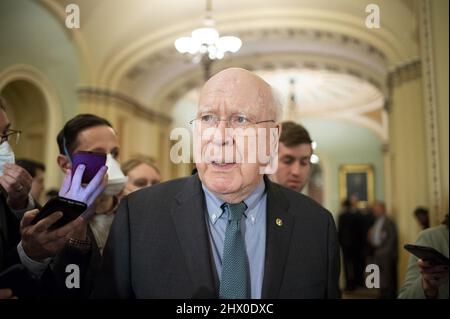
357,180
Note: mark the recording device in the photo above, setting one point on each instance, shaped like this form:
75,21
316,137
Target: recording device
70,208
93,161
427,254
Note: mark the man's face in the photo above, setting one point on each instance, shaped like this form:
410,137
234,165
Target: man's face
379,209
100,139
4,122
37,186
232,92
141,176
294,166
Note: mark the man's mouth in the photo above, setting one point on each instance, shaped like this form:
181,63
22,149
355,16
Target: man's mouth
223,166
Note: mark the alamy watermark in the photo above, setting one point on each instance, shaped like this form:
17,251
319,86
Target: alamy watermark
227,146
73,16
373,17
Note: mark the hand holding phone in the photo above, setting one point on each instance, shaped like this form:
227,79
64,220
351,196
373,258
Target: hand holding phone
428,254
74,198
71,210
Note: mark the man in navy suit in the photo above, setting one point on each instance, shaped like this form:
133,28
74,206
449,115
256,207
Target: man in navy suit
226,231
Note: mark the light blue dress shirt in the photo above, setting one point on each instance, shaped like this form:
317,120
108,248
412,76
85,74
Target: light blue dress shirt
253,229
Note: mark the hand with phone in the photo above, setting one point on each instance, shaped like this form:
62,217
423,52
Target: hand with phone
39,239
433,267
433,276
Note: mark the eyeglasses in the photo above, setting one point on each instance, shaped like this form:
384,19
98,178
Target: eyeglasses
234,121
6,136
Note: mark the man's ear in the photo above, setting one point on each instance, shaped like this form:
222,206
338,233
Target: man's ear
280,128
64,163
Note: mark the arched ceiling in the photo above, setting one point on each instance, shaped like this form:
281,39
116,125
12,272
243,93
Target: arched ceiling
128,46
121,36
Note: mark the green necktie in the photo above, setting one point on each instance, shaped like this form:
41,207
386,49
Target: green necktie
234,283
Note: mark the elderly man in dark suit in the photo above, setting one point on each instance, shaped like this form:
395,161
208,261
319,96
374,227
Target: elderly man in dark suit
226,232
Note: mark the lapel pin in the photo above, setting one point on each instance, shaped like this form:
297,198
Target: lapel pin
279,222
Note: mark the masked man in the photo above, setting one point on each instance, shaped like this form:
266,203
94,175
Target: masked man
85,132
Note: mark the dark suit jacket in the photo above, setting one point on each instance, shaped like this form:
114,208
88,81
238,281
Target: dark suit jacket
9,235
159,246
88,262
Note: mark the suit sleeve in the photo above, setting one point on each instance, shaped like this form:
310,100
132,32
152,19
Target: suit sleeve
333,290
114,279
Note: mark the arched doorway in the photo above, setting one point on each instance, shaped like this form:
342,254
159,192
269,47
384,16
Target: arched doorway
27,112
33,108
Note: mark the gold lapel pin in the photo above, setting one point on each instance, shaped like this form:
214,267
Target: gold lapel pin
279,222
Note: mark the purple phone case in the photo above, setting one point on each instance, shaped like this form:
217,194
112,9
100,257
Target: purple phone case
93,162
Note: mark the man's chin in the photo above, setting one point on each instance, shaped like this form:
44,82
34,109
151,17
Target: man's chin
221,183
295,187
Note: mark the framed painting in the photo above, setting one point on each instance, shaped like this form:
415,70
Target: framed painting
357,180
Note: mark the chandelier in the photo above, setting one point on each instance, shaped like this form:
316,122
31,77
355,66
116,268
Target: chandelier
205,44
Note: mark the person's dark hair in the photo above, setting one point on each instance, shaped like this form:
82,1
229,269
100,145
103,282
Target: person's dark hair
421,211
30,166
293,134
347,203
445,222
70,131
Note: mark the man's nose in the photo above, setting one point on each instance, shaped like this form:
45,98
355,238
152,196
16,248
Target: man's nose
222,134
295,169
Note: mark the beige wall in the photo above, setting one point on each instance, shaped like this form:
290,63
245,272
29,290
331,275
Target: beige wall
407,154
439,28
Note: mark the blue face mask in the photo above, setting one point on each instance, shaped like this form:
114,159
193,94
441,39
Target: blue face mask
6,155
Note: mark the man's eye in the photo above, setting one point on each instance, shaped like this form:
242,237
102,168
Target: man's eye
241,119
288,160
207,118
140,182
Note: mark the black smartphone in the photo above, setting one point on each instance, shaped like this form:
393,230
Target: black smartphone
19,280
70,208
427,254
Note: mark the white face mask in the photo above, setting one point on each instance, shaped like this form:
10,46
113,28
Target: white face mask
116,178
6,155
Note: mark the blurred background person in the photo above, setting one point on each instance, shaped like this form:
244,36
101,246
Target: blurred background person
383,238
294,155
37,172
422,217
424,279
141,172
351,239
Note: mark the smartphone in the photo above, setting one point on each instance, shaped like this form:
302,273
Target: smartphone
93,162
427,254
70,208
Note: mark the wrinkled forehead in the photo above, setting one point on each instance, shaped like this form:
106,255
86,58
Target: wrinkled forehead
230,95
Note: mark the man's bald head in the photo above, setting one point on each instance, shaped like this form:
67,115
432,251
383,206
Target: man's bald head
239,84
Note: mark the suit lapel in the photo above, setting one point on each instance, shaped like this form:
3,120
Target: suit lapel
278,235
189,219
